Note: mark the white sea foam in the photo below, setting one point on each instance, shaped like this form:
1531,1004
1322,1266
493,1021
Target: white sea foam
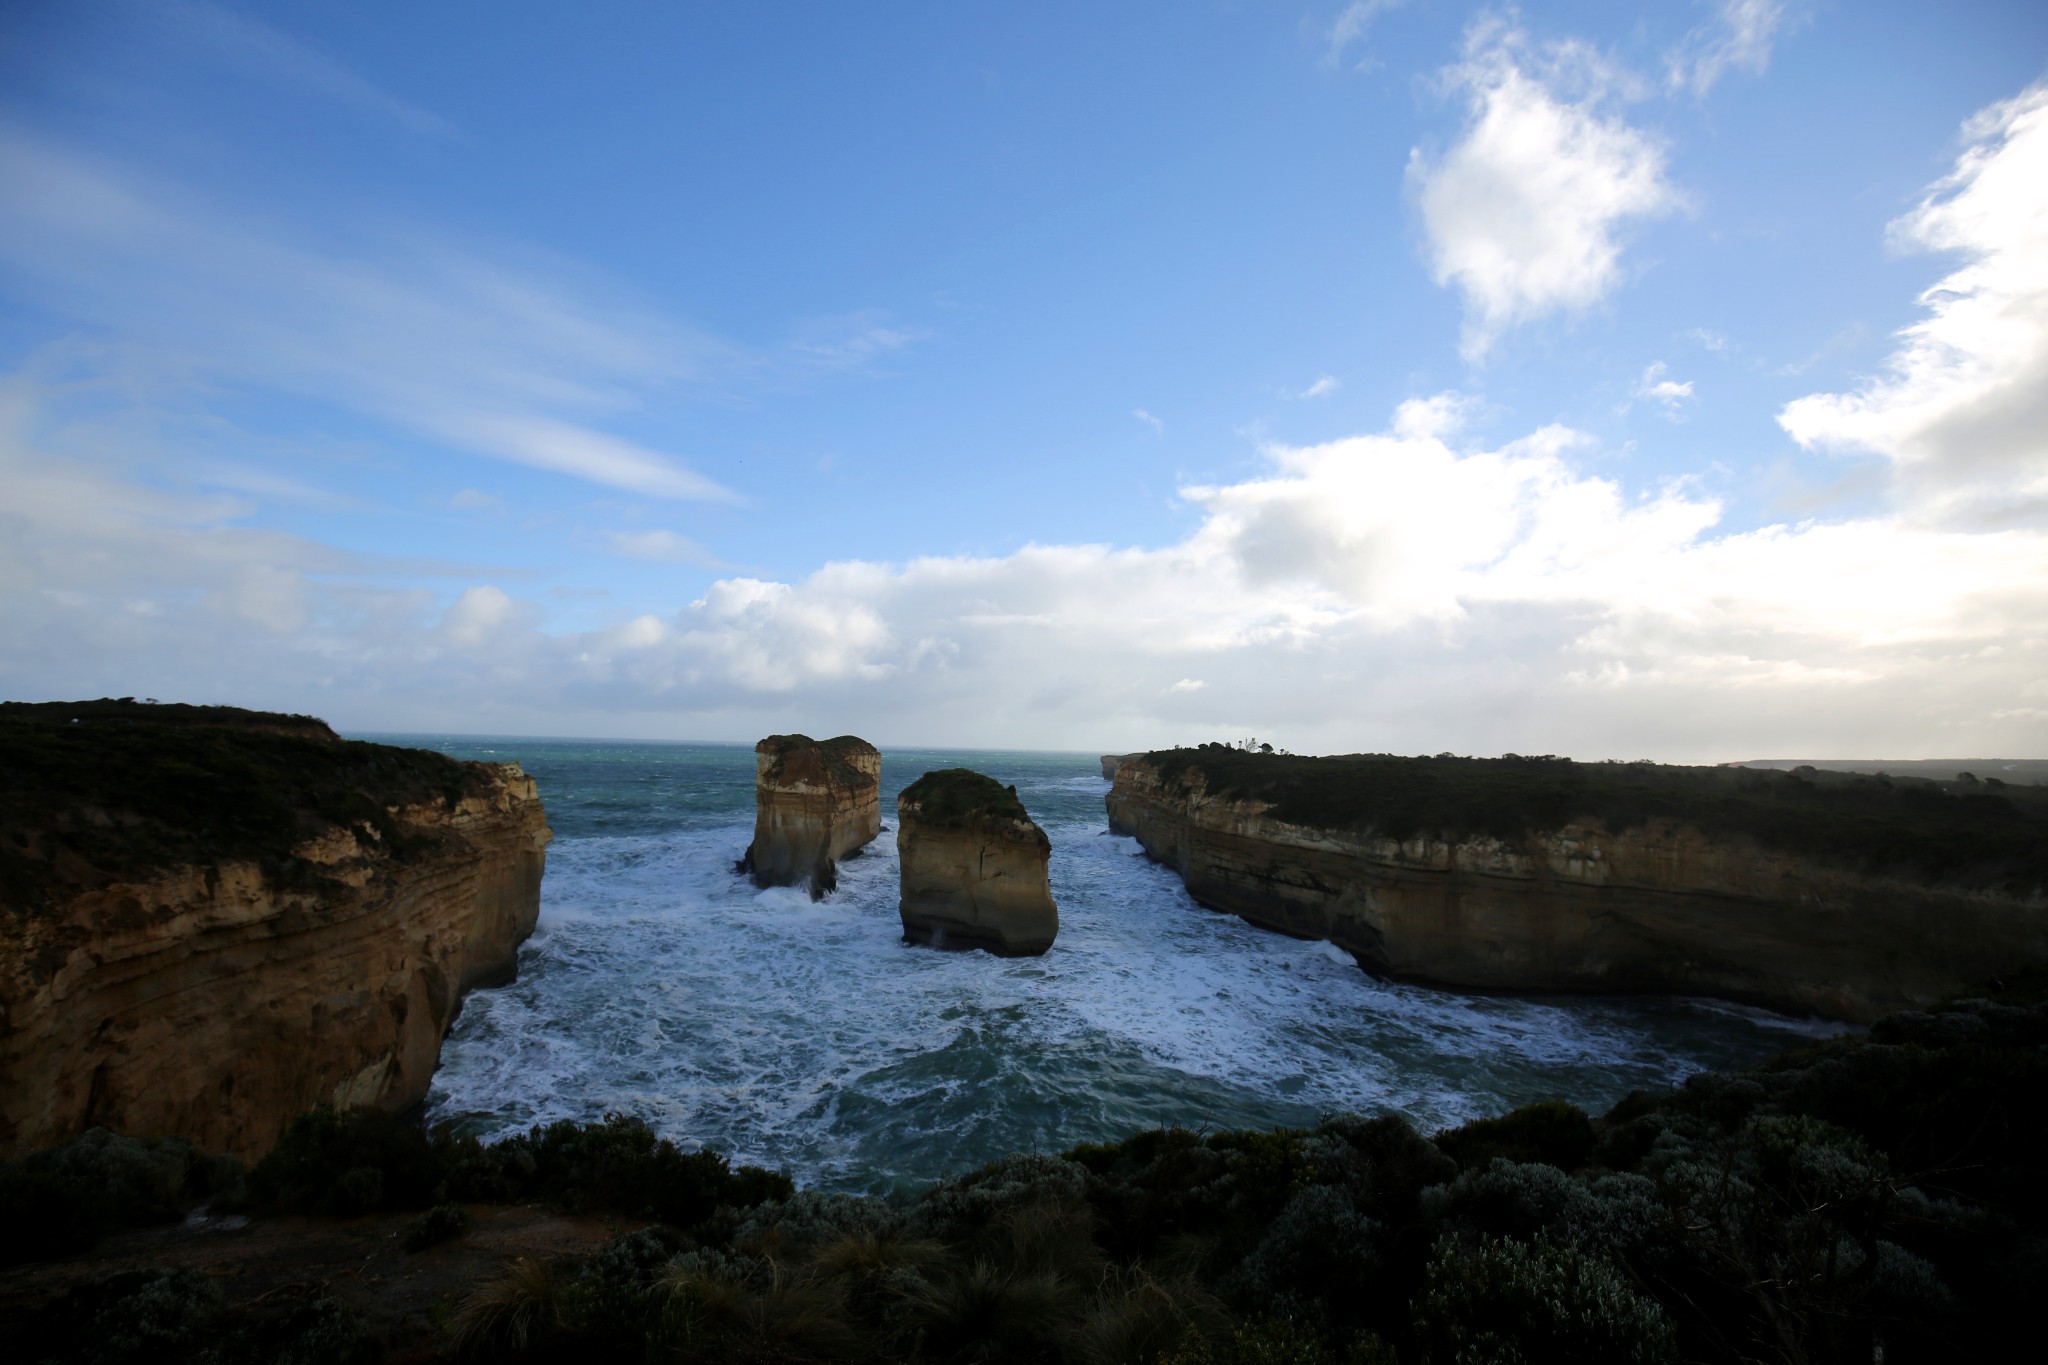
807,1035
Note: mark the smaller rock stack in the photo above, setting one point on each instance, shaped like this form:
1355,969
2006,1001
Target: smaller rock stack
974,866
815,802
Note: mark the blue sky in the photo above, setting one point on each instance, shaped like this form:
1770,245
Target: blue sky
1669,381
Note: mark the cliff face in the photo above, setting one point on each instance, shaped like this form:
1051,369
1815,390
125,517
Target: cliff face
815,802
1657,907
218,997
974,867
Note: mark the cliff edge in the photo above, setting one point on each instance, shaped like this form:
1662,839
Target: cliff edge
974,866
815,802
212,920
1831,894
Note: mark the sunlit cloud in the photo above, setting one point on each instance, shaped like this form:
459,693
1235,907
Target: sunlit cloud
1525,214
1962,408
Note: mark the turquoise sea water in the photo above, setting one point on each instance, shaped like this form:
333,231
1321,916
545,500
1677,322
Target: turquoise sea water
810,1037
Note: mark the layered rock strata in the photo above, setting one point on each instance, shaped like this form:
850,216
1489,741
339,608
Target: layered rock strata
1111,762
1652,906
974,866
294,927
815,802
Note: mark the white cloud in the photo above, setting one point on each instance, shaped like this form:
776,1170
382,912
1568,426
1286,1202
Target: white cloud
479,614
495,354
1670,395
1739,37
1158,427
1962,408
1324,386
1401,591
660,547
1524,214
1353,25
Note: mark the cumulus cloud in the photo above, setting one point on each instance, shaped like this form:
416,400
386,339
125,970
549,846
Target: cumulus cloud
1961,411
1407,590
1739,37
1525,214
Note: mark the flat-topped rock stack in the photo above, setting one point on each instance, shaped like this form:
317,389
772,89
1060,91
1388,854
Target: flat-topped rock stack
974,866
815,802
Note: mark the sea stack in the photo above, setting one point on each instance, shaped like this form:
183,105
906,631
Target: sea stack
815,802
974,866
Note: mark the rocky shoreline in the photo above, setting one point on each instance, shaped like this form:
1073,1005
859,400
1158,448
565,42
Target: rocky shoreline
1580,898
271,919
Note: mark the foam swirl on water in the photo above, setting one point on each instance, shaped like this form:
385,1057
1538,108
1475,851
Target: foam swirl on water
808,1036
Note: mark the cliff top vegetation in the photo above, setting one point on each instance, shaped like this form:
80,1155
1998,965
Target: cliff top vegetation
1873,1196
954,797
1965,833
104,790
833,757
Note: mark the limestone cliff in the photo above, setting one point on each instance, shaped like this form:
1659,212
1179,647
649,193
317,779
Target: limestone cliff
1703,895
1110,763
815,802
973,866
213,921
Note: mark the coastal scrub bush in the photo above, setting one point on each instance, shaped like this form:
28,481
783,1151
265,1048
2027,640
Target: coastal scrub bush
349,1162
441,1223
1505,1302
1551,1132
365,1159
1621,1217
1319,1262
65,1198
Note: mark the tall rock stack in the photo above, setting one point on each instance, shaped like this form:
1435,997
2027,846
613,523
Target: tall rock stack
815,802
974,866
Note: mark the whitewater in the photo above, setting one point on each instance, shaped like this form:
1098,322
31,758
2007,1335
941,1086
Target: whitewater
808,1037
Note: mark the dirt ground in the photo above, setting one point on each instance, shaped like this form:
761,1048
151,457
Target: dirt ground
403,1297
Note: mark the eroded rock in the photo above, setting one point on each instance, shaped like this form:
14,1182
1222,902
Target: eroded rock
973,866
213,922
1577,901
815,802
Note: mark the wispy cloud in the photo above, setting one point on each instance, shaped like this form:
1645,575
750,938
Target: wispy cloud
1739,37
1324,386
662,547
273,55
1524,214
513,358
1670,395
1158,427
852,341
1353,25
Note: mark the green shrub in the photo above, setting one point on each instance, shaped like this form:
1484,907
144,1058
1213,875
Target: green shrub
1505,1302
1552,1132
441,1223
65,1198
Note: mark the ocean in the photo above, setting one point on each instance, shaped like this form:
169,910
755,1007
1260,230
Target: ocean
809,1037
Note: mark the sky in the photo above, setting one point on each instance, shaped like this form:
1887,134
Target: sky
1655,381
